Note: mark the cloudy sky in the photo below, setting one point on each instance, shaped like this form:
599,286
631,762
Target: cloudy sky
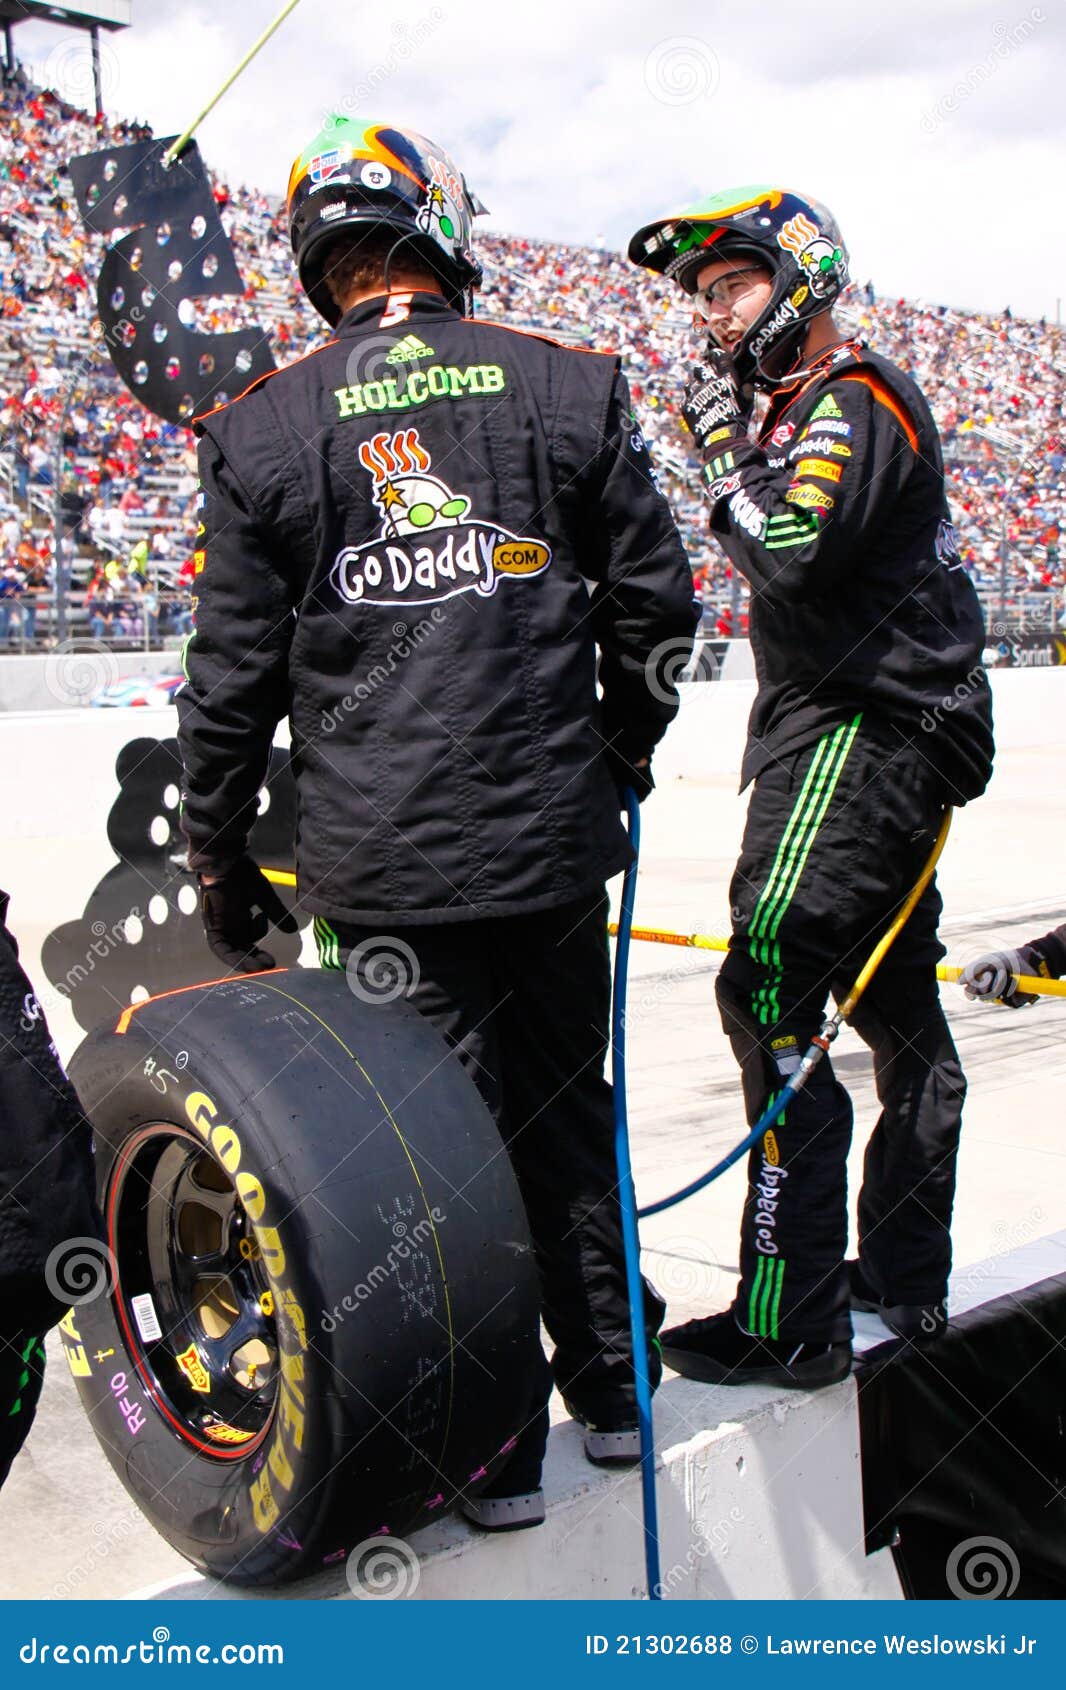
935,129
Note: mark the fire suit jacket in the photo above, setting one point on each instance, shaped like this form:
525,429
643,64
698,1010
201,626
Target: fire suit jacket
837,516
413,541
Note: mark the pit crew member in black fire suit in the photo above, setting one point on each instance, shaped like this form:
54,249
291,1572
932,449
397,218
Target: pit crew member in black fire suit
872,714
49,1224
993,978
416,538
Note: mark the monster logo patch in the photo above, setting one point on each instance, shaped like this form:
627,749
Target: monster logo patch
822,263
429,547
440,215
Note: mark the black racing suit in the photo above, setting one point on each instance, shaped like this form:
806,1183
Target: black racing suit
46,1194
415,539
1049,954
872,714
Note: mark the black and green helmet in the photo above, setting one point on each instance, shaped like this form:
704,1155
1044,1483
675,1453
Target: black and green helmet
795,238
356,173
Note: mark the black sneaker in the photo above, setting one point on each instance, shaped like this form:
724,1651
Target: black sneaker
921,1323
719,1352
611,1440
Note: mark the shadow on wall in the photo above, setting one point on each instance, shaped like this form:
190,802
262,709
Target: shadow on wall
140,932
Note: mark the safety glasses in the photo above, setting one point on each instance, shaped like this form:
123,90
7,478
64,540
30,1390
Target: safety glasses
725,289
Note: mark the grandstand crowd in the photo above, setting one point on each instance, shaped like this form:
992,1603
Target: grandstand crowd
73,438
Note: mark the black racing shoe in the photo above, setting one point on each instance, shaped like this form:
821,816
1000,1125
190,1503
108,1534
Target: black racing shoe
920,1323
611,1439
719,1352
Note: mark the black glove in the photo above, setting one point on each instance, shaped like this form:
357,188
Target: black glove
237,910
715,407
626,774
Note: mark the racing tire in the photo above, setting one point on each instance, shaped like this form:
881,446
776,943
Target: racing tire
319,1296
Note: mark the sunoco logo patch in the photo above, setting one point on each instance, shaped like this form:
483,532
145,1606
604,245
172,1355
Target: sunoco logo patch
430,546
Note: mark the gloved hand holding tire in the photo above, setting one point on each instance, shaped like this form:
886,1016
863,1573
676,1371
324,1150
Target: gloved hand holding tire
238,907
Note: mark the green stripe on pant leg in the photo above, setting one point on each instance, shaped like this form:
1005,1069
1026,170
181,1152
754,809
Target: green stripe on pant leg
328,943
766,1295
822,798
777,1297
798,846
828,789
819,772
797,808
754,1294
768,892
825,786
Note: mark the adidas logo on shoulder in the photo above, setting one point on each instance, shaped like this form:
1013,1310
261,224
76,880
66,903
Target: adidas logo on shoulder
826,407
408,349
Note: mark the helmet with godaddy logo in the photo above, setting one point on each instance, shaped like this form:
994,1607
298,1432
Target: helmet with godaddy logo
355,174
795,238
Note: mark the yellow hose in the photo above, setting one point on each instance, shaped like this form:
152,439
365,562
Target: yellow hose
888,938
714,942
173,152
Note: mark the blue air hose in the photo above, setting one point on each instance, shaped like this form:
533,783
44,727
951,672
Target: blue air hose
816,1050
627,1198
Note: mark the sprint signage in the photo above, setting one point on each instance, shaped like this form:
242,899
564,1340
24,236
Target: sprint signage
418,387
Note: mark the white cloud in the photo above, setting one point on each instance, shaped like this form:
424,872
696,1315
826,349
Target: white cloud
936,134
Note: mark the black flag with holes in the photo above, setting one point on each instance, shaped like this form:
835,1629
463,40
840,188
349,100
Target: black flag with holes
174,249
